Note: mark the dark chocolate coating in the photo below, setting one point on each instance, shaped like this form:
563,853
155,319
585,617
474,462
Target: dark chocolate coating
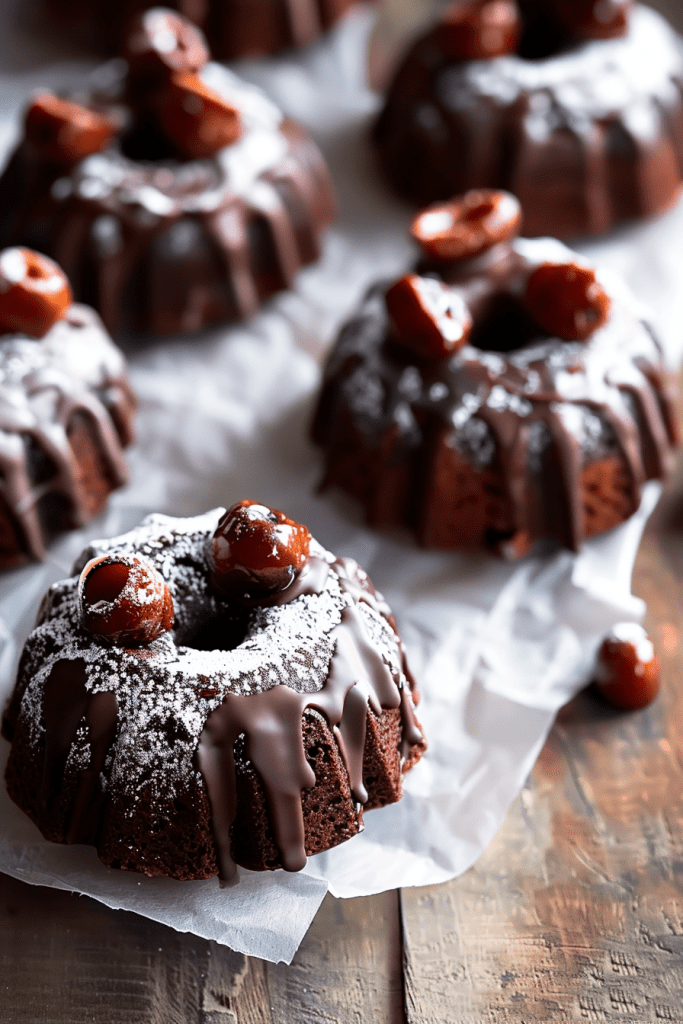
516,437
252,735
164,245
66,412
233,28
586,134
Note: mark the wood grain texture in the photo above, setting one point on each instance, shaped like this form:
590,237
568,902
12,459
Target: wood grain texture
348,968
575,913
66,958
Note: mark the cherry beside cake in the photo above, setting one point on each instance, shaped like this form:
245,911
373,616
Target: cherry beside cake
503,392
174,194
66,408
575,106
211,691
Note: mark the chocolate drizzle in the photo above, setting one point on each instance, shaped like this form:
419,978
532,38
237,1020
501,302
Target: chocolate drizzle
599,400
66,704
358,681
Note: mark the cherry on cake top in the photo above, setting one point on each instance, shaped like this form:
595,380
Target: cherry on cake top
34,293
187,118
257,551
467,225
484,29
124,600
431,317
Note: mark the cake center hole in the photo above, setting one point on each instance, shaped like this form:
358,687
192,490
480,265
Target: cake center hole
542,35
106,582
480,212
146,141
224,632
505,327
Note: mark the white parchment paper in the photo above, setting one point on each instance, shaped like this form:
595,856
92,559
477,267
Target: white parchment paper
497,648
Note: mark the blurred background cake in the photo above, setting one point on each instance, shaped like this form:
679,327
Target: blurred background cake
502,393
575,107
173,194
234,28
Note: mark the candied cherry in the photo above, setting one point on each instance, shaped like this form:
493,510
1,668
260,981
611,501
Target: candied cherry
124,600
429,317
162,43
628,672
34,293
468,225
567,300
479,29
196,118
594,19
66,131
257,551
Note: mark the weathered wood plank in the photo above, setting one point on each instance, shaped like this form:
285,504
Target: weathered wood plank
575,913
67,958
348,968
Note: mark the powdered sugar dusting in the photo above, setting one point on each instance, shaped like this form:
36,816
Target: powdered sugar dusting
166,690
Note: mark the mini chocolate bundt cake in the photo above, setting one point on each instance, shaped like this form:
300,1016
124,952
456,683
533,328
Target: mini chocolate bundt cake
503,393
210,691
175,195
234,28
66,408
575,106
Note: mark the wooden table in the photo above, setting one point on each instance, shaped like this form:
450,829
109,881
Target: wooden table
575,913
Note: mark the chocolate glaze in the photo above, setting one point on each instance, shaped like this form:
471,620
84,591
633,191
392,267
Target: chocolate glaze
585,134
234,28
358,681
603,398
168,246
117,719
66,704
45,387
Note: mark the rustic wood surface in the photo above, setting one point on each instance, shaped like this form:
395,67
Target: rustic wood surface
575,913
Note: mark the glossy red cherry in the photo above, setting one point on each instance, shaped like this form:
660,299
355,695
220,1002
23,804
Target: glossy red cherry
429,317
66,131
162,43
196,118
479,29
567,300
257,551
468,225
34,293
594,19
628,674
124,600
